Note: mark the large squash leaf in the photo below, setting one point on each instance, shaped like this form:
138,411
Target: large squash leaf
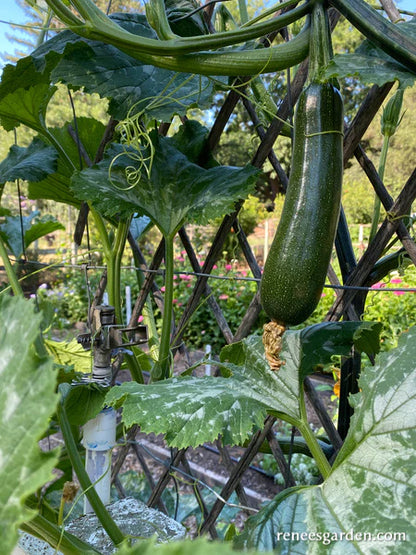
27,400
372,487
127,82
103,69
26,107
372,65
56,185
33,163
24,96
11,230
177,190
193,410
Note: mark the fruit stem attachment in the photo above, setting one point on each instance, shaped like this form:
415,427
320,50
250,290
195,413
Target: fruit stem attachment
272,341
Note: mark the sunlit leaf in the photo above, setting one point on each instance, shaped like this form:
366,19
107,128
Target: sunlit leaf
56,185
70,354
25,106
24,96
27,400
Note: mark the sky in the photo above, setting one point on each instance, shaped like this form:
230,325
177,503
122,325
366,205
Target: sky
10,11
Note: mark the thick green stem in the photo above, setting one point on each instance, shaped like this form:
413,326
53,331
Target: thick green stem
377,202
45,28
231,62
321,461
114,289
119,244
64,13
242,7
44,529
100,225
100,27
113,257
391,38
158,20
164,348
148,315
320,49
98,506
14,282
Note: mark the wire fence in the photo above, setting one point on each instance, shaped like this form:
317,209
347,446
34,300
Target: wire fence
379,288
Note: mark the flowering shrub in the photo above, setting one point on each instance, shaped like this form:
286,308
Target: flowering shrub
395,309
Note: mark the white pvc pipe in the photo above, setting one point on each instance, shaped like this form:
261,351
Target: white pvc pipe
207,366
128,304
99,438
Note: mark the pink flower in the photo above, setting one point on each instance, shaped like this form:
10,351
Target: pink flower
214,267
223,297
140,319
163,288
378,285
244,273
396,280
228,267
399,292
175,277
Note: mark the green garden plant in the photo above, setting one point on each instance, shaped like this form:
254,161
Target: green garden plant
127,170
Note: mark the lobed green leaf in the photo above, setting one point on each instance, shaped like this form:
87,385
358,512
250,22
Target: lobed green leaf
372,65
176,192
27,400
372,487
32,163
191,410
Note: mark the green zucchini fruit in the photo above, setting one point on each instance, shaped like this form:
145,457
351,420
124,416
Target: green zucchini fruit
297,263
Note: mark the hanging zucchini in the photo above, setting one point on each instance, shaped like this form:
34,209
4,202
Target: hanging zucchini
296,267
